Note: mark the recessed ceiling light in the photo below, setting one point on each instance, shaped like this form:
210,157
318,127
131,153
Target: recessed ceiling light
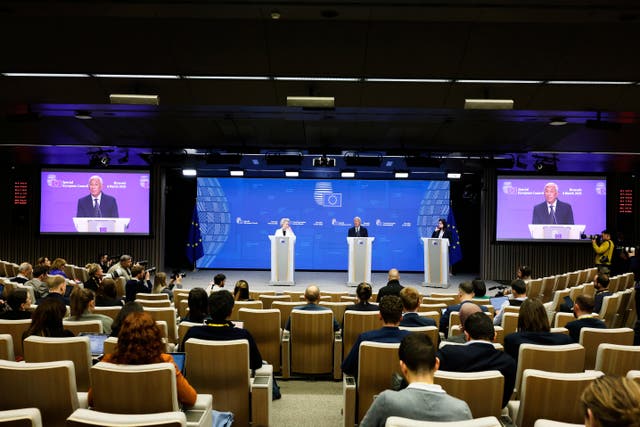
401,175
454,175
189,172
488,104
133,99
83,115
291,174
557,121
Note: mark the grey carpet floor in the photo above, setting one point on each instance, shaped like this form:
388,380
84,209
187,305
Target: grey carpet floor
308,403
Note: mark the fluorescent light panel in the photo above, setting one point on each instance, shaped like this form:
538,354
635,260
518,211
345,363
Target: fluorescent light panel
132,99
401,175
227,77
189,172
454,175
75,75
236,173
318,79
137,76
348,174
586,82
391,80
506,82
291,174
488,104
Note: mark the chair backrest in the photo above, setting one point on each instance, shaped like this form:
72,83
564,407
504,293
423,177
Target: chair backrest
183,328
80,273
623,307
126,389
267,300
335,296
355,323
443,295
589,289
614,284
615,359
634,375
510,322
434,315
110,345
36,385
558,298
295,295
476,422
285,308
575,292
631,315
25,417
121,283
430,331
561,282
89,418
76,349
548,284
256,305
534,288
454,319
469,385
68,270
512,309
552,395
582,275
180,295
377,363
338,308
15,328
349,299
6,347
562,319
311,341
154,302
551,423
77,326
227,379
111,311
264,326
255,295
152,297
553,358
446,300
591,338
432,307
168,314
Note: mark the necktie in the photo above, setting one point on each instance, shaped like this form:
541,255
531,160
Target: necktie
284,232
357,231
96,208
552,215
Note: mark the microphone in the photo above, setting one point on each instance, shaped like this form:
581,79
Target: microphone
284,232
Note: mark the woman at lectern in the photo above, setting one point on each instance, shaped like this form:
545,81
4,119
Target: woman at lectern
441,231
284,229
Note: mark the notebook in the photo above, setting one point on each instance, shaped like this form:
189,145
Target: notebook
96,341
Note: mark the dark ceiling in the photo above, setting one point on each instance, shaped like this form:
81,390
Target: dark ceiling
454,40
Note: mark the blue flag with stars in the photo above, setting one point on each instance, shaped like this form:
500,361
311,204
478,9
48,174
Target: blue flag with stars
455,251
195,251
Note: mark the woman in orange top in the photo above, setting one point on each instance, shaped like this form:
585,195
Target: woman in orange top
140,343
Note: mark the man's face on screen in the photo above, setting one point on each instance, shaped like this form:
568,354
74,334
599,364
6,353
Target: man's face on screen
95,187
356,222
550,193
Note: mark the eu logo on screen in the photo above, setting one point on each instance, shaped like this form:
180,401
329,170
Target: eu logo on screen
332,200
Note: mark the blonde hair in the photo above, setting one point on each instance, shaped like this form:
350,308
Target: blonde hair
613,401
160,282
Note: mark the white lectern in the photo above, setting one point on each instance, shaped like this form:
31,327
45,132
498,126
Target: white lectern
359,260
101,225
556,231
282,260
436,262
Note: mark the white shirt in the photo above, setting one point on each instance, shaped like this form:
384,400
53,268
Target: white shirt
549,206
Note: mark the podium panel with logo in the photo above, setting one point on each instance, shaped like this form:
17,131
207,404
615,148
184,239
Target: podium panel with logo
436,262
359,260
101,225
282,265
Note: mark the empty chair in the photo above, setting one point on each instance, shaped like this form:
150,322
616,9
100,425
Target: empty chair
614,359
582,276
335,296
623,308
355,323
168,314
152,297
509,323
161,303
443,295
348,299
256,305
77,326
446,300
572,280
255,295
180,295
338,308
591,338
562,319
111,311
267,300
6,347
476,422
285,308
80,273
469,385
295,295
534,288
561,282
546,291
549,423
264,326
16,329
25,417
609,309
89,418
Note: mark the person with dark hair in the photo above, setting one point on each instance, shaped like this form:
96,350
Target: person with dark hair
442,230
47,320
95,276
139,284
38,283
410,298
603,250
218,283
241,291
479,289
519,293
585,317
533,328
610,401
105,262
140,343
601,285
107,294
198,306
83,302
479,354
422,400
312,296
465,296
390,314
127,309
19,300
393,286
523,273
43,261
363,292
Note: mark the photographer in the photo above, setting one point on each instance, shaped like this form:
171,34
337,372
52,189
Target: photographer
176,280
140,283
603,250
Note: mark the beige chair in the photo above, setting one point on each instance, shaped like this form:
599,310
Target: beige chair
623,308
591,338
614,284
631,315
168,314
534,289
355,323
6,347
349,299
561,282
562,319
614,359
335,296
550,395
268,300
376,364
76,349
151,303
589,289
575,292
558,298
35,385
111,311
434,315
430,331
68,270
295,295
285,308
121,283
126,389
77,326
264,326
512,309
232,386
582,276
183,308
16,329
446,300
476,422
455,297
634,375
180,295
549,423
548,284
255,305
110,345
338,309
89,418
183,328
80,273
469,385
432,307
152,297
509,323
26,417
255,295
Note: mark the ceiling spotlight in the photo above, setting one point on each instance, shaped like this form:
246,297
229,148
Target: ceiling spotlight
189,172
488,104
83,115
454,175
291,174
236,172
312,102
546,165
100,159
348,174
557,121
275,14
116,98
401,175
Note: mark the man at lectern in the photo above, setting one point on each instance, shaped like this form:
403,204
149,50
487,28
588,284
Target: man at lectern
552,210
96,203
284,229
357,230
441,231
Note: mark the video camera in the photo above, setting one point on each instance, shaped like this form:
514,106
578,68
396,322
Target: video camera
177,273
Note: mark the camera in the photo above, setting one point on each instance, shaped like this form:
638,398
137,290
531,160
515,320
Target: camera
595,237
151,270
177,274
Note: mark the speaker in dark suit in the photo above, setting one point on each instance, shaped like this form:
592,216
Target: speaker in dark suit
357,230
96,203
552,210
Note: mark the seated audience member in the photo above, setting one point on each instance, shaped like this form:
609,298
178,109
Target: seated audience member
518,293
390,314
479,354
198,306
43,261
107,294
95,277
25,273
312,296
175,280
219,280
585,317
47,320
105,262
140,343
479,289
523,273
57,268
122,268
160,285
422,399
601,285
363,292
410,302
393,286
533,328
241,291
139,284
465,311
83,301
611,402
465,295
38,283
19,300
127,309
57,286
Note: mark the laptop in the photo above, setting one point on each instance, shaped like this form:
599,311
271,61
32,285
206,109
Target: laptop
178,359
497,302
96,341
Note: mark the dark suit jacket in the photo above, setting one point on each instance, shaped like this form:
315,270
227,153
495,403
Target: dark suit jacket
564,213
479,356
446,235
587,322
108,207
444,320
136,286
393,287
414,320
363,307
513,341
598,299
363,232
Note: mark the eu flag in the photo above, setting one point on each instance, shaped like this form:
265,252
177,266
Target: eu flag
455,251
195,251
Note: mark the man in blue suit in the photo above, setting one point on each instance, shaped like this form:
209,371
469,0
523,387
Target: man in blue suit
552,210
96,203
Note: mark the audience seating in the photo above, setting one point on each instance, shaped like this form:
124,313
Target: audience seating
562,319
534,288
549,423
16,329
575,292
338,309
582,276
631,314
143,389
443,295
6,347
614,284
609,309
432,307
121,283
80,273
355,323
295,295
547,288
634,375
268,300
77,326
49,386
561,282
151,303
152,297
168,314
432,300
498,342
512,309
110,345
620,317
558,298
256,305
68,270
435,315
228,379
349,299
88,418
183,328
76,349
29,290
255,295
111,311
264,326
25,417
335,296
180,295
550,395
614,359
476,422
430,331
468,386
183,308
509,323
591,338
589,289
285,308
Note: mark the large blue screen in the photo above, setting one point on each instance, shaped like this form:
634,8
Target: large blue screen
238,214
